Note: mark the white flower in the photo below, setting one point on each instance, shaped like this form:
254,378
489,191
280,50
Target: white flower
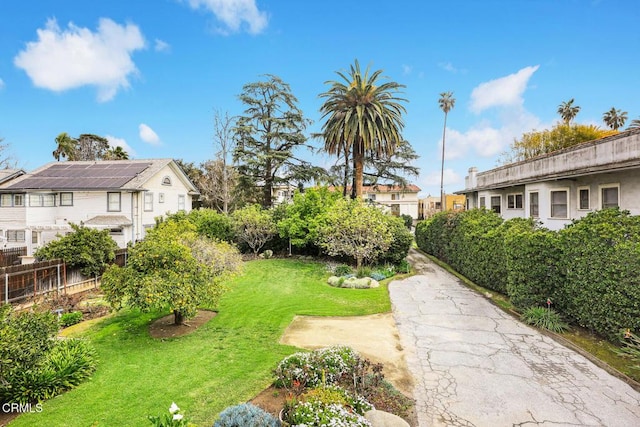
177,417
174,408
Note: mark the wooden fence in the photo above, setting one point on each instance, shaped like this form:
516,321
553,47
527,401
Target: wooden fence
12,256
19,283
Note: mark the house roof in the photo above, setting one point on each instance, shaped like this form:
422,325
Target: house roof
610,154
7,175
108,221
96,175
383,188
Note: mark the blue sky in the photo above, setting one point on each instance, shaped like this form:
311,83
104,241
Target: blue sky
149,74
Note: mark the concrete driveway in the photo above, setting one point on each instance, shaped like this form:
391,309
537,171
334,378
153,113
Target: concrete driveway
475,365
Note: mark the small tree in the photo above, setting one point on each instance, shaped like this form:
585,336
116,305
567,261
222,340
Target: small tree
88,249
356,230
172,268
254,226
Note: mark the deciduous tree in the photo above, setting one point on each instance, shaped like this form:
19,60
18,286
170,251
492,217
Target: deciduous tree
254,226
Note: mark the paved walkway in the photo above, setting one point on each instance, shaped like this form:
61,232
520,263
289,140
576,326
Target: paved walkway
475,365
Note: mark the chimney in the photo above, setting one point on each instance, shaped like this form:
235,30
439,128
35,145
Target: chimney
471,181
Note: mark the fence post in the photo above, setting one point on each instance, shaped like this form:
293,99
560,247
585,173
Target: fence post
64,274
35,282
58,287
6,288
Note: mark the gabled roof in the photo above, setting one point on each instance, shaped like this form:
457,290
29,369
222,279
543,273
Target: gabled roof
96,175
7,175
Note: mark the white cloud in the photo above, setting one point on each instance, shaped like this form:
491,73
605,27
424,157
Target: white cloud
502,92
161,46
120,142
233,13
1,84
450,177
75,57
406,69
148,135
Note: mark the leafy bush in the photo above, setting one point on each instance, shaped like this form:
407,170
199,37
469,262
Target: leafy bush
401,242
212,224
88,249
403,267
245,415
407,220
68,319
544,318
363,271
378,276
601,260
533,266
310,369
66,365
342,270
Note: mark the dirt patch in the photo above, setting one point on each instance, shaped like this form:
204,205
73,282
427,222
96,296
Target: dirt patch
374,337
165,327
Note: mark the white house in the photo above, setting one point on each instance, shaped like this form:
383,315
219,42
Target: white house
396,199
123,196
564,185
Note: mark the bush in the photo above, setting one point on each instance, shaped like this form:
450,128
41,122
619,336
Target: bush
601,260
342,270
544,318
245,415
267,254
68,319
533,266
69,363
316,413
212,224
363,272
401,242
311,369
407,220
378,276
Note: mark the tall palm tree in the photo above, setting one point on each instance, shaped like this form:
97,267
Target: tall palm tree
116,153
614,118
446,103
362,115
66,147
568,111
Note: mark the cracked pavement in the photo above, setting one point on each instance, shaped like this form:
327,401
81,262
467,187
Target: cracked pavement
475,365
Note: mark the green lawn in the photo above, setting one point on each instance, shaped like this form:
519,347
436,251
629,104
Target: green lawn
225,362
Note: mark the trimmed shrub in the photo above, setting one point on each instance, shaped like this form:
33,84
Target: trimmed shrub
407,220
601,261
245,415
533,266
68,319
400,243
212,224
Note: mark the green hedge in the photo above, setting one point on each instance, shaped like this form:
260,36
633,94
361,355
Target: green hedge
601,255
589,269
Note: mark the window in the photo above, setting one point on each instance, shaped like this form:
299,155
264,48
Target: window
181,203
166,181
609,195
496,203
160,197
18,200
113,202
395,196
395,210
583,198
559,204
15,235
39,200
514,201
483,203
66,199
34,237
534,205
6,200
148,201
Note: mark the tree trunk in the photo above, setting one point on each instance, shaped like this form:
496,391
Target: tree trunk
178,318
358,263
358,169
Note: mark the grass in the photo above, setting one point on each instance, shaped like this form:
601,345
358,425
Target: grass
227,361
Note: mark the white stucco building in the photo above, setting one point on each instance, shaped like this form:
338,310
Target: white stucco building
564,185
123,196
